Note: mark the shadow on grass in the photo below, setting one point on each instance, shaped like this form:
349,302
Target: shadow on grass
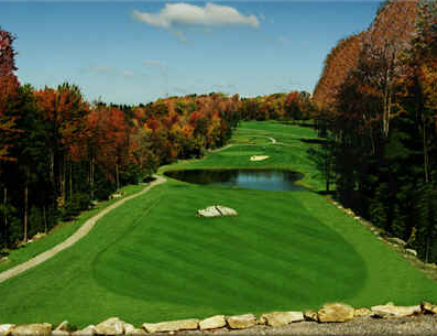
326,193
313,141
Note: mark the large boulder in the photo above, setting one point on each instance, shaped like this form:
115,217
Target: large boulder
390,310
37,329
362,312
396,241
278,319
136,332
6,329
88,331
241,321
427,308
129,329
411,252
63,326
311,315
60,333
335,312
171,326
111,326
225,211
213,322
216,211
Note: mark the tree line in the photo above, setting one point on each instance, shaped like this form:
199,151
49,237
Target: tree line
377,109
59,153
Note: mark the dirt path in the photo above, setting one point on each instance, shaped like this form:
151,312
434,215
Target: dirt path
79,234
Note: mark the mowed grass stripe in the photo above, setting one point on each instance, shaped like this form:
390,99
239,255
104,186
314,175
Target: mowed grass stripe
198,247
153,259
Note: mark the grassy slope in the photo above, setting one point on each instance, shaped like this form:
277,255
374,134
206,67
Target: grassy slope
61,232
153,260
253,139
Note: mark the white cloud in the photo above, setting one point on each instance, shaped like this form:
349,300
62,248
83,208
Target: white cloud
184,14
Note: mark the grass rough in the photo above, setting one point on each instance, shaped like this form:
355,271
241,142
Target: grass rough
153,260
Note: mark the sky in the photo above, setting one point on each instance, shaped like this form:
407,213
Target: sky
136,52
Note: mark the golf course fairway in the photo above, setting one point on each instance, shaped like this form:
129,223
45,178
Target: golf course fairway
153,260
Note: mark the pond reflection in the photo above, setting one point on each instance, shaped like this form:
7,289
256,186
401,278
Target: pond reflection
279,180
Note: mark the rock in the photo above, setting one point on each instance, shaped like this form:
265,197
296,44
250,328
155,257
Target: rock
172,326
63,326
216,211
278,319
111,326
88,331
136,332
349,212
311,315
213,322
6,329
226,211
390,310
396,241
44,329
209,212
427,308
362,312
60,333
411,252
241,321
335,312
129,328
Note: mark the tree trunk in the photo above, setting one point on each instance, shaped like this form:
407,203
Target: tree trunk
117,177
52,176
425,150
5,220
62,176
26,210
45,218
71,180
92,168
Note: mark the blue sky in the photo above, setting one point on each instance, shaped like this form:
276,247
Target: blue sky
249,48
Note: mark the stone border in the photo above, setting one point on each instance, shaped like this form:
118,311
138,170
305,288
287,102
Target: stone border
329,313
396,244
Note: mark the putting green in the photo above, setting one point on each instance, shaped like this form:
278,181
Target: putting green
153,260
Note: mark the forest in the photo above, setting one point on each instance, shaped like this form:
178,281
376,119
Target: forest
60,154
377,104
374,106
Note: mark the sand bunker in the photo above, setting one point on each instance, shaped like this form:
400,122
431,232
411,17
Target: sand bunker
258,157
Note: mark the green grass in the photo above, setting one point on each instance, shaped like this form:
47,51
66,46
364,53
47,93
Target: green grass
152,259
61,232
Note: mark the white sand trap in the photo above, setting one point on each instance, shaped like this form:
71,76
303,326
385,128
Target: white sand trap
258,157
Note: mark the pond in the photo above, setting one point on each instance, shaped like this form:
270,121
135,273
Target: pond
278,180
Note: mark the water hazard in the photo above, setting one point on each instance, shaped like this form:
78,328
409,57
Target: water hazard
278,180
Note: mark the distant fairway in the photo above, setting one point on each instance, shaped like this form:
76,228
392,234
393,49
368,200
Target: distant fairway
153,260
